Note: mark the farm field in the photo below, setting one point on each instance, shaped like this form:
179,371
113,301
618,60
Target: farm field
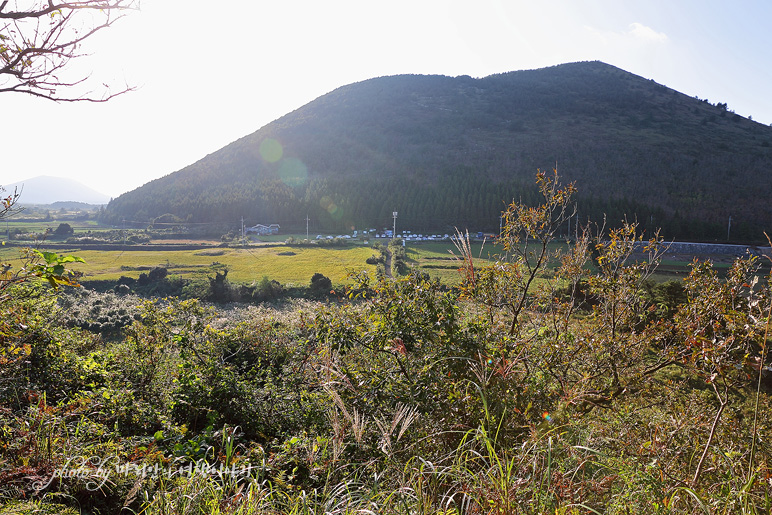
266,256
246,265
290,265
287,264
435,258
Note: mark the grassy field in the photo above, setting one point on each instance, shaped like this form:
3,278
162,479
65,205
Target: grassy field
284,264
435,258
292,265
42,225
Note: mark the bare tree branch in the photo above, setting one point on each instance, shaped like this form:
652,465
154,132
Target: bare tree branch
39,12
38,43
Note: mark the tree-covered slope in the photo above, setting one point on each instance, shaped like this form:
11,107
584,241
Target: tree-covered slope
449,152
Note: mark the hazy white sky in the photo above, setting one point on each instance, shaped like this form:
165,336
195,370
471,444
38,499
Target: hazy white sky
211,72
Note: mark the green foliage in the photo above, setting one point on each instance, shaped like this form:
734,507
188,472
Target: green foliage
220,289
611,394
195,289
63,230
247,377
618,331
52,268
267,290
320,283
399,264
120,237
405,348
525,240
719,332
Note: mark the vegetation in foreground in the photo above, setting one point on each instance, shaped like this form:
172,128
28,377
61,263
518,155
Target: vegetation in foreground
573,391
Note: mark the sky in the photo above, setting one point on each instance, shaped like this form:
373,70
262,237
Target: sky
208,73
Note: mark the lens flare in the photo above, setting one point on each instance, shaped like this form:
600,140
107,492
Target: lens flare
331,207
293,172
546,416
271,150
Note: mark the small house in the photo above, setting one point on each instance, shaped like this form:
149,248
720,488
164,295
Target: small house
263,230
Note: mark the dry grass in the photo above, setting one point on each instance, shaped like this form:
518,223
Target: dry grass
244,265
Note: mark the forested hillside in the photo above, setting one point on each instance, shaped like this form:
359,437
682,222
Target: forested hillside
447,152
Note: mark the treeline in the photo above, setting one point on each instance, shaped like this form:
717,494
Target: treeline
463,201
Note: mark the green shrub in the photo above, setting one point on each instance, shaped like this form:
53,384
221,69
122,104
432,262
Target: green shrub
320,283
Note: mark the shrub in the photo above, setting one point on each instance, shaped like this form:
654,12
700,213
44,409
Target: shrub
63,230
105,313
320,283
267,290
157,274
220,289
128,281
195,289
399,264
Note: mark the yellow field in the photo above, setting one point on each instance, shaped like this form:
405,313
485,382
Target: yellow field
288,265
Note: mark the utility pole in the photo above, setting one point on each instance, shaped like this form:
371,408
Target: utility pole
394,230
728,227
242,230
307,220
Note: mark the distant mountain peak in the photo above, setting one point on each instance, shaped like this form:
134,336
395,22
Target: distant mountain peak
46,189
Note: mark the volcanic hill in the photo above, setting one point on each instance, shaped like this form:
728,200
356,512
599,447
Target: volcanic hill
451,151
